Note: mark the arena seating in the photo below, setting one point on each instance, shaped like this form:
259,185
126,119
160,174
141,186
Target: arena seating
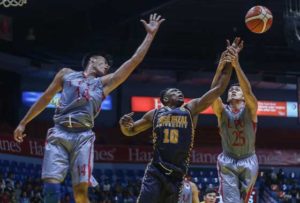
119,184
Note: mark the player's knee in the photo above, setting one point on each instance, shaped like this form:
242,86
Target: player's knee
81,192
51,192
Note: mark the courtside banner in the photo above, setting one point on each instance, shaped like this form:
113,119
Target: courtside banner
143,154
265,108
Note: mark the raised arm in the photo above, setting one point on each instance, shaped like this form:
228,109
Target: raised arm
250,99
123,72
226,59
131,128
200,104
217,105
40,104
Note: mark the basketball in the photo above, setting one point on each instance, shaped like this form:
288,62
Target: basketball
259,19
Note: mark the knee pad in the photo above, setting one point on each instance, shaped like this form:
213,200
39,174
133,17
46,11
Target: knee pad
51,192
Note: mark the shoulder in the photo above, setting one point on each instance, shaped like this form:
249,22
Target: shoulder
64,71
186,107
106,79
150,114
226,110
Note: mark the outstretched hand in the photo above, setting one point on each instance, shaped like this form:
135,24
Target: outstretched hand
233,50
237,44
18,133
153,25
126,120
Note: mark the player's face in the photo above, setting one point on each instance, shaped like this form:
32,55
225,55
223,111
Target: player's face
235,92
211,197
100,65
175,96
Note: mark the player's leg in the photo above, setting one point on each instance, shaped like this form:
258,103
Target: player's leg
173,188
228,180
248,177
82,159
151,188
51,190
55,166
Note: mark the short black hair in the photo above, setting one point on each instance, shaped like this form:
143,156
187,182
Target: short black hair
86,58
234,84
162,95
209,190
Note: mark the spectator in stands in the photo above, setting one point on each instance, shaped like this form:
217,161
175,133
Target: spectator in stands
13,198
280,175
11,179
5,196
189,192
18,191
128,196
106,186
24,198
2,184
209,196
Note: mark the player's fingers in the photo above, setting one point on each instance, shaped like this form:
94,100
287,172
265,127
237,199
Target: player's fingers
144,22
235,41
154,16
231,50
130,114
16,135
241,45
223,54
228,58
16,138
151,17
19,138
228,42
158,17
128,125
125,119
161,20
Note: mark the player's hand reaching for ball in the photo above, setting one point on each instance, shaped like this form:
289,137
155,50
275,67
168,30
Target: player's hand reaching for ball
18,133
153,25
233,50
126,120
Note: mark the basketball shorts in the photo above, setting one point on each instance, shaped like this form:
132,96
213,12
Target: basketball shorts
68,150
237,177
158,187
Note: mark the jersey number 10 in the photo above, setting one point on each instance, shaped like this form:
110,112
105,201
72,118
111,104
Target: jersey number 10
171,136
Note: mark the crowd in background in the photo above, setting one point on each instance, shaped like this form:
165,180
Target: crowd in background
284,187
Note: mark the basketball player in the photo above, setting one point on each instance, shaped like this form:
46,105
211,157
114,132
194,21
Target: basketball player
237,165
210,196
69,143
189,192
173,137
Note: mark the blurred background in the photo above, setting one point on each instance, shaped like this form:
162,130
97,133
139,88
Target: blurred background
41,37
